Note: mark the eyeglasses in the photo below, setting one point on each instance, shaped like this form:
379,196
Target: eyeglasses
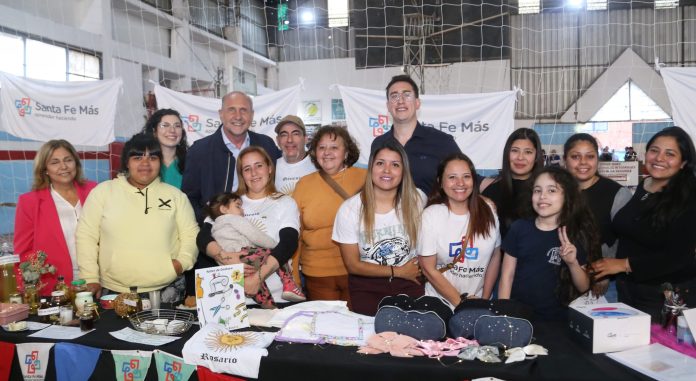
165,126
406,96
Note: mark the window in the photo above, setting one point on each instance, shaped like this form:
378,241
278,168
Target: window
629,103
663,4
529,6
596,5
30,58
338,13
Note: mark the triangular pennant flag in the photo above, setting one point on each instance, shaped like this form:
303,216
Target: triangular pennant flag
131,365
75,362
205,374
6,358
33,360
172,368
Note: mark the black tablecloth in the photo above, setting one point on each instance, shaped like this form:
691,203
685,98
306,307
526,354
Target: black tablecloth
566,360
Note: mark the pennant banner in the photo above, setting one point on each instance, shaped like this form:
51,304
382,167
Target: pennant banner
200,114
680,83
80,112
131,365
75,362
480,123
33,359
172,368
6,358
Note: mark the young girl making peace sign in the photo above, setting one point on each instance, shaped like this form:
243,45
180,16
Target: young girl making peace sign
545,257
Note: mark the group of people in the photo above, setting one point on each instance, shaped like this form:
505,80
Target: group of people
418,220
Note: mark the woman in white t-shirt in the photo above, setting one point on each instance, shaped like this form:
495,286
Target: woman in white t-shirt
459,241
274,213
377,231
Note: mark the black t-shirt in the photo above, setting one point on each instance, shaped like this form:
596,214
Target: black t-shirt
600,198
656,255
509,210
538,265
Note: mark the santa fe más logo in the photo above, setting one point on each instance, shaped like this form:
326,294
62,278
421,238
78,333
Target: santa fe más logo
380,125
23,106
192,122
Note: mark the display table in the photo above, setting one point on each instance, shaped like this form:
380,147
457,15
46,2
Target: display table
566,360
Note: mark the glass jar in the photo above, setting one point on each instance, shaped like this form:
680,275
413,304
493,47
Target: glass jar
92,306
31,298
77,286
16,298
57,301
133,301
86,320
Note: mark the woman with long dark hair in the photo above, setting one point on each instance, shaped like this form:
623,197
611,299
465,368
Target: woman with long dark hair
604,196
656,227
511,189
459,245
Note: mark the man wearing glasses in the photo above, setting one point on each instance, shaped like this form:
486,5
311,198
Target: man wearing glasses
425,146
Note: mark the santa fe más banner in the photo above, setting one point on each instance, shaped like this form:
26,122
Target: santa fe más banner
80,112
200,114
480,123
680,83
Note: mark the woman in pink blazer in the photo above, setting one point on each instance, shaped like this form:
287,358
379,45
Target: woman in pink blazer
46,218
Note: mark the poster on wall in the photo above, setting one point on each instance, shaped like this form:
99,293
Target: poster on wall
82,113
479,123
200,114
311,112
338,112
623,172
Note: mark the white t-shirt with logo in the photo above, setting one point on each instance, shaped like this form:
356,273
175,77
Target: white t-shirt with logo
271,216
441,234
287,175
390,245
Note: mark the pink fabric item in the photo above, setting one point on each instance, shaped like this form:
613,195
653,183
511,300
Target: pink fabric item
392,343
669,340
37,227
449,347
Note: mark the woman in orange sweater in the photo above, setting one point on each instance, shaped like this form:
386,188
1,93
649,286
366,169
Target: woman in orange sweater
318,197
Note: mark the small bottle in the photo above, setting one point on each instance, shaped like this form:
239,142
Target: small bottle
62,286
57,301
86,320
133,301
44,311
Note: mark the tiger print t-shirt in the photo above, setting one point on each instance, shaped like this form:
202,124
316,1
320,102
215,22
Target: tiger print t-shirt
390,245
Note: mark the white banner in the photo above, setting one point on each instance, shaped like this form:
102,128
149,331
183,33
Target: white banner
80,112
680,83
623,172
33,360
480,123
200,114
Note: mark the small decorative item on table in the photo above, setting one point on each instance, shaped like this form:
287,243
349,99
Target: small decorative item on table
31,270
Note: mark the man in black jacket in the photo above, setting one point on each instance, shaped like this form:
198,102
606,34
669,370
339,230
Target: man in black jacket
210,162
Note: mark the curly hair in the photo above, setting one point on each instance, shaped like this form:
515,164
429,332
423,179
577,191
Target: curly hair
352,150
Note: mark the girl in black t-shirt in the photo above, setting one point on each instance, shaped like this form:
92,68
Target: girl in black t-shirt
542,266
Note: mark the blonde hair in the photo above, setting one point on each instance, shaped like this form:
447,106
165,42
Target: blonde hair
270,186
407,202
41,179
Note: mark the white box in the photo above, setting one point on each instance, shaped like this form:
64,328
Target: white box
609,327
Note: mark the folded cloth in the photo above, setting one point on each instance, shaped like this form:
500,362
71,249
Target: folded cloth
392,343
449,347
